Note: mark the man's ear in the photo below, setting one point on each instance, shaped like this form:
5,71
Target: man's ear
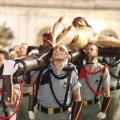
66,56
96,53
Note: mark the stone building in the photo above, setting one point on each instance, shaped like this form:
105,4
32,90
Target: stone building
28,19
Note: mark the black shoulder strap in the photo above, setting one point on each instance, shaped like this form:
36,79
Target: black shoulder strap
66,94
109,64
101,78
38,81
61,105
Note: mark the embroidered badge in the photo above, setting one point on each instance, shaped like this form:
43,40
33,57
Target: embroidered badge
96,82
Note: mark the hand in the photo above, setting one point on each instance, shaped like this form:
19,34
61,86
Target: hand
31,114
9,67
33,52
101,115
47,39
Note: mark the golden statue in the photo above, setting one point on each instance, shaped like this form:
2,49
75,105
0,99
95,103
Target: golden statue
78,34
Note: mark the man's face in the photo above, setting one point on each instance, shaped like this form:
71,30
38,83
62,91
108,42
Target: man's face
91,52
2,59
59,52
79,23
22,50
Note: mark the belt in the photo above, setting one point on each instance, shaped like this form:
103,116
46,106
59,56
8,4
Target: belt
26,94
114,88
51,111
90,102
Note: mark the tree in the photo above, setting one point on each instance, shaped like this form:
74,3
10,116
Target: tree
6,35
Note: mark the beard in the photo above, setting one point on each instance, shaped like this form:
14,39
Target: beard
89,58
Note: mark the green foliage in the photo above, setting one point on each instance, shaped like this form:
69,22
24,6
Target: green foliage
6,35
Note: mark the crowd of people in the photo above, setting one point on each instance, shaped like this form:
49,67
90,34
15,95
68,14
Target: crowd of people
61,90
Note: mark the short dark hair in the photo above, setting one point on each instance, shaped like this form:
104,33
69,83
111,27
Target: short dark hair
94,45
5,53
75,21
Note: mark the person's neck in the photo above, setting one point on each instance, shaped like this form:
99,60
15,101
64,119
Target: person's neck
58,65
90,64
91,61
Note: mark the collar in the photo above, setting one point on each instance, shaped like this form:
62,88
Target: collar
87,62
53,68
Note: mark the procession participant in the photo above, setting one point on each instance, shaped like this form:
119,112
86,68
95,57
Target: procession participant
58,81
23,111
47,41
9,92
95,79
114,68
13,55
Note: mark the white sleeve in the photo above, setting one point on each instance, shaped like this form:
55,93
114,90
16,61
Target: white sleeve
17,90
17,97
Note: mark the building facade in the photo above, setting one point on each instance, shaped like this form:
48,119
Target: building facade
28,19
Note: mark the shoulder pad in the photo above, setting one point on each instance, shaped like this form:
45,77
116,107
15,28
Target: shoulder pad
102,62
69,67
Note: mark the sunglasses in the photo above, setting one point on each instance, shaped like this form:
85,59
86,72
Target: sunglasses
61,49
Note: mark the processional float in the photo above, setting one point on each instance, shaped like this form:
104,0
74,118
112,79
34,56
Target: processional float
75,36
